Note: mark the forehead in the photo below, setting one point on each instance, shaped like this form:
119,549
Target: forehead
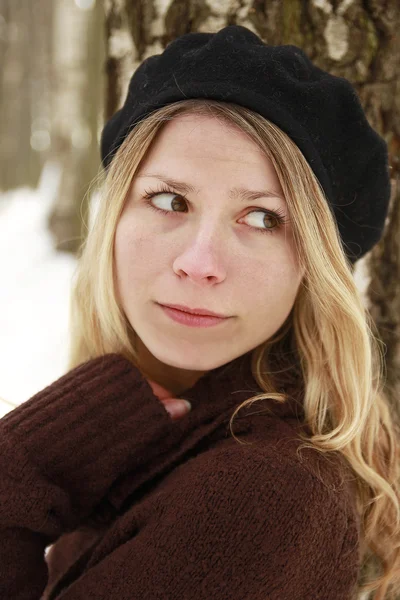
198,131
208,150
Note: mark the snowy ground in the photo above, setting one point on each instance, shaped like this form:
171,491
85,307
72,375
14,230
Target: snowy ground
34,294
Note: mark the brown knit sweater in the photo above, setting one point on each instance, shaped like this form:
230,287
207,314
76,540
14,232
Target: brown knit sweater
137,506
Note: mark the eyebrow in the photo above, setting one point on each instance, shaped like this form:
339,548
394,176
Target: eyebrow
236,192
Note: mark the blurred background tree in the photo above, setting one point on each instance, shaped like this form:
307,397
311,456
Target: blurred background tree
51,102
25,58
77,106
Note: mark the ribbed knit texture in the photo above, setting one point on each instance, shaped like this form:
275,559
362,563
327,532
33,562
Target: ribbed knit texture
138,506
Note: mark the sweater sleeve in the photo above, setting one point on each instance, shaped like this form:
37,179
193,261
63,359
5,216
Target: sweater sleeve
59,454
232,525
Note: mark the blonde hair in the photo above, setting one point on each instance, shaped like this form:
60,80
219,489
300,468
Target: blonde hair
328,346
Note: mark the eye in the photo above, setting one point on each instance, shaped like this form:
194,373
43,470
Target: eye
274,216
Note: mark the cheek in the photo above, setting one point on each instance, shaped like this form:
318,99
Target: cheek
136,251
270,286
131,267
126,245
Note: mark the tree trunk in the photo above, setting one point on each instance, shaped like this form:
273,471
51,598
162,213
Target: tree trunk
20,48
77,102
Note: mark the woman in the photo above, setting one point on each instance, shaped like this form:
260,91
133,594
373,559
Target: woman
244,181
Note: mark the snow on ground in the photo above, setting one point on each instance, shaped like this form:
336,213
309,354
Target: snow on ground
34,294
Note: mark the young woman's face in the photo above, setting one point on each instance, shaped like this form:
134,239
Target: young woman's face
213,250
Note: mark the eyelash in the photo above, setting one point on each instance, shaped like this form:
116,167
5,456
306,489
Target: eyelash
279,216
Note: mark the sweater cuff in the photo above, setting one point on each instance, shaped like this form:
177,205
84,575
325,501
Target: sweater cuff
88,428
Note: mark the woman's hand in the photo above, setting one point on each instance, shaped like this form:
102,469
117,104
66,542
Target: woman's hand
177,408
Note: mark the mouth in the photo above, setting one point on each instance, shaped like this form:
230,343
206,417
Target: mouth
184,318
202,312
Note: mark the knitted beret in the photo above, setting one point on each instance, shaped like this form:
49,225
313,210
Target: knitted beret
320,112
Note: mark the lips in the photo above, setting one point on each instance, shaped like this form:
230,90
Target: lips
190,320
195,311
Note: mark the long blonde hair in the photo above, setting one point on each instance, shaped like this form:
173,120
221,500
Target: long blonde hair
328,345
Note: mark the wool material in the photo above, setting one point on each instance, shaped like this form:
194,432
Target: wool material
132,505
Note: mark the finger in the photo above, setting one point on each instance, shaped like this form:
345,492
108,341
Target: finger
177,408
158,390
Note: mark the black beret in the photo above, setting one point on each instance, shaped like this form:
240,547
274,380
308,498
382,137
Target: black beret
320,112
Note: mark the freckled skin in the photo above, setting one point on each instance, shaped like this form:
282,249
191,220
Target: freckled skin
211,255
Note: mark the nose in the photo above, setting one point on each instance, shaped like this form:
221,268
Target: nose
202,258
